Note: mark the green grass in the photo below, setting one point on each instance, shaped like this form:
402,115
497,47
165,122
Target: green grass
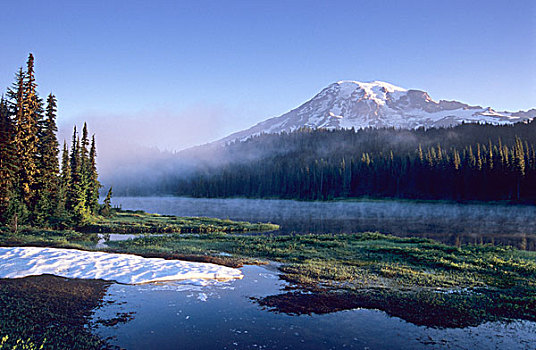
400,262
49,311
473,283
141,222
30,236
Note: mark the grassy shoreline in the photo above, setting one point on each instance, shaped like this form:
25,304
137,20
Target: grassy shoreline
449,286
55,311
126,222
138,221
419,280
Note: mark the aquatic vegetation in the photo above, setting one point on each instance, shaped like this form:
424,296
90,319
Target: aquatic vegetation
420,280
127,222
141,222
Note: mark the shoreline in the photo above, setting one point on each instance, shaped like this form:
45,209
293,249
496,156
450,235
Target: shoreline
448,286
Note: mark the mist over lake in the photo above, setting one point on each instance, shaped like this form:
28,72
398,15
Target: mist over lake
451,223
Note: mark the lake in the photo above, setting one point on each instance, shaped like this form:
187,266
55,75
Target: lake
451,223
223,315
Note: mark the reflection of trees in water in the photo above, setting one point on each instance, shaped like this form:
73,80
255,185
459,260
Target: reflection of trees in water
474,223
422,308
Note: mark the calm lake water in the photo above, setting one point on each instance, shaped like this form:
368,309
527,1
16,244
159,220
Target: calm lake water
446,222
222,315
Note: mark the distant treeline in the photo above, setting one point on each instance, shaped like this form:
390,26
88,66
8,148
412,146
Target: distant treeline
33,189
466,162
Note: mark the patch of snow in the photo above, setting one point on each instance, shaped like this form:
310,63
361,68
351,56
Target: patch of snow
493,113
376,90
20,262
331,114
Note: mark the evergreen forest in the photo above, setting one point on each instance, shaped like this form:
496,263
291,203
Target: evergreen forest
35,189
468,162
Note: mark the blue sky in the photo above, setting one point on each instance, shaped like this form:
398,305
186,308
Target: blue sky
189,72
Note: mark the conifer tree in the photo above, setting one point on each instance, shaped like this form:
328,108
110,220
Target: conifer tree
456,159
32,113
84,150
94,185
70,202
107,207
48,150
31,184
64,183
84,158
76,196
17,210
65,174
519,164
8,164
27,110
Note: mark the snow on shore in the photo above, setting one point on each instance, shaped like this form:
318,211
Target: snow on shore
124,268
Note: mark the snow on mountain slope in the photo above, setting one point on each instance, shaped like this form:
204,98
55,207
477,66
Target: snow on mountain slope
353,104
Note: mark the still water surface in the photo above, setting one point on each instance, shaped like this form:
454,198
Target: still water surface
222,315
450,223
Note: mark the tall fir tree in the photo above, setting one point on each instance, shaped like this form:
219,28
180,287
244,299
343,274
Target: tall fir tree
28,111
70,197
17,211
84,150
32,188
33,108
8,160
64,183
94,184
48,165
75,197
107,206
85,166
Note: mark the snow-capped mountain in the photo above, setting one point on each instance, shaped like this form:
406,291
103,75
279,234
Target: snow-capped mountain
353,104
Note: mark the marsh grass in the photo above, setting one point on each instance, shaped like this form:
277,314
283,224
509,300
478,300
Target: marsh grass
35,237
405,262
472,283
126,221
436,284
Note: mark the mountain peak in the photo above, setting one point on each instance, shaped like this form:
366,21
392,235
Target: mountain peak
376,91
376,84
350,104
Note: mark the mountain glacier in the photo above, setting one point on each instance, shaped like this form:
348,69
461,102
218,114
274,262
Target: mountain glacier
353,104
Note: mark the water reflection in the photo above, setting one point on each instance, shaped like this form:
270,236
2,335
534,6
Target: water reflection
450,223
223,316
